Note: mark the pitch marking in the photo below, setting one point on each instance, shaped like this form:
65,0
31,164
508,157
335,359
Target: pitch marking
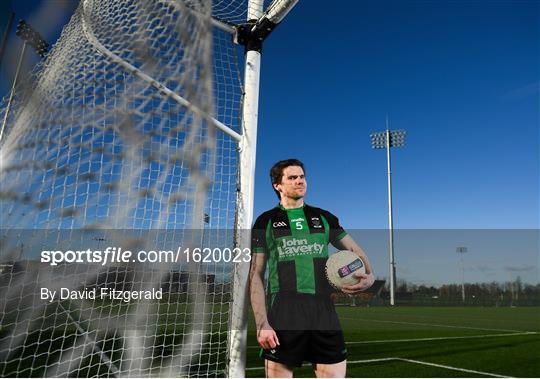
430,338
409,361
308,364
441,338
436,325
453,368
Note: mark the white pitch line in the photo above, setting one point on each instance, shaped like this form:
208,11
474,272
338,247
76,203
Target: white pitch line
453,368
409,361
430,338
436,325
441,338
308,364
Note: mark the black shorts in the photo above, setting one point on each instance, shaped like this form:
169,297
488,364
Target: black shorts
308,329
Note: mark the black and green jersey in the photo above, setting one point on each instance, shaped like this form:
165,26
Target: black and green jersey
296,244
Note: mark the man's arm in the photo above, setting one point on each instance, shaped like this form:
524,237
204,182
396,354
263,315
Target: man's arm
266,336
367,279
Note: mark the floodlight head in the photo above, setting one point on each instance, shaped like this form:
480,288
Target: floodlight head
378,140
396,138
33,38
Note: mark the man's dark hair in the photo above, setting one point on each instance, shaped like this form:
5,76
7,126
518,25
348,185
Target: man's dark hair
276,172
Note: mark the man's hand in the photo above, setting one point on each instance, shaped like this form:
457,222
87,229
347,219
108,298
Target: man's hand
365,281
267,337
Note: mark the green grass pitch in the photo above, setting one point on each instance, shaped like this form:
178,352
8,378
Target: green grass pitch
382,342
432,342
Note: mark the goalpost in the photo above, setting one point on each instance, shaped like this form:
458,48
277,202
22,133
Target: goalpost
136,135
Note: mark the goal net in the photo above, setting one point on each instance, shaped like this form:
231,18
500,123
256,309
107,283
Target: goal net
126,140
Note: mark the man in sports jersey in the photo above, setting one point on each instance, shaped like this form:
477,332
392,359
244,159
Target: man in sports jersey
301,323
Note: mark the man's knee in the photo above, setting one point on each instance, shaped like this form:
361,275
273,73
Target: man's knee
277,370
334,370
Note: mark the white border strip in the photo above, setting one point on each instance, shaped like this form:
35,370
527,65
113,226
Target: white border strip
453,368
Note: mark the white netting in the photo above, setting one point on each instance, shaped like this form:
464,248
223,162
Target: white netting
114,146
235,11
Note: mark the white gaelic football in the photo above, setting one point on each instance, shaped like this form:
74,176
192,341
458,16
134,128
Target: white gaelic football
341,267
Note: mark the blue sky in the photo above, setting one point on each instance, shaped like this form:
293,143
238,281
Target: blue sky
461,77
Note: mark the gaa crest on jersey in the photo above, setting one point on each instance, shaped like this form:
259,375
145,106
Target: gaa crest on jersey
316,222
280,226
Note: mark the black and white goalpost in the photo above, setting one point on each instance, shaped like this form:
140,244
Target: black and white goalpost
252,36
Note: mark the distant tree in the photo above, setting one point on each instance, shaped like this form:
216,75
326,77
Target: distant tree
402,286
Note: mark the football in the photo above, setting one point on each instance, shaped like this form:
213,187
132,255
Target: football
341,266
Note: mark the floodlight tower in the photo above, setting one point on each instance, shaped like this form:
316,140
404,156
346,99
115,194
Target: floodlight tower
386,140
34,39
462,250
